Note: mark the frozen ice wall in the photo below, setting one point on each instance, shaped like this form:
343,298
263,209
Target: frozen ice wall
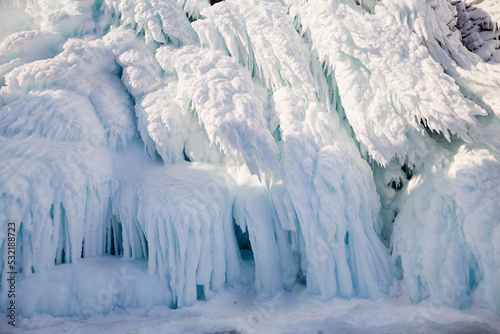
340,144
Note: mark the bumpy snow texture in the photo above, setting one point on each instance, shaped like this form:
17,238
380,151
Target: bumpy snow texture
340,144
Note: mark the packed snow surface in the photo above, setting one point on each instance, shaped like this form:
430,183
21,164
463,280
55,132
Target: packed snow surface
169,153
230,310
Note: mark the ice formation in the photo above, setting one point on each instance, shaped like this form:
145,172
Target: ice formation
340,144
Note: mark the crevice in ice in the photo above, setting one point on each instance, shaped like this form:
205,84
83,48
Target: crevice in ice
408,170
396,184
62,255
368,5
186,158
391,182
114,242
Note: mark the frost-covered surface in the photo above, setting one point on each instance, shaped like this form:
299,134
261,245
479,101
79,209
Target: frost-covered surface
339,147
230,310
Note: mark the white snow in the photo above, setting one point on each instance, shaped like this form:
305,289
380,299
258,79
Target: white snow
321,165
238,310
188,242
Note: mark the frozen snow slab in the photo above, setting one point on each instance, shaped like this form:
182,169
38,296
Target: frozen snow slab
295,312
91,286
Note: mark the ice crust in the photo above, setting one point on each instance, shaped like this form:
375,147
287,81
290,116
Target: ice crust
344,145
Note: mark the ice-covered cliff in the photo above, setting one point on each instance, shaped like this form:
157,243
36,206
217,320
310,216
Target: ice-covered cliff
340,144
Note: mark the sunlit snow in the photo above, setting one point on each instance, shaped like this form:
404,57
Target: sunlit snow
321,150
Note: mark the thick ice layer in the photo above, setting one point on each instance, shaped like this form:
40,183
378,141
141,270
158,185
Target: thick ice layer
333,201
84,68
388,82
57,168
26,46
221,95
447,233
180,218
56,177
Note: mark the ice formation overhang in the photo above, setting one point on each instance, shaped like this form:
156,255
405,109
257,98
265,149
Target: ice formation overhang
448,232
387,80
341,144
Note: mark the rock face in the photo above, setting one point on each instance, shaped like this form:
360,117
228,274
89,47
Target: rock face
478,24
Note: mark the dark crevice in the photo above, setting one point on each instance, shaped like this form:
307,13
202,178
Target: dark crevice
114,242
242,238
408,170
186,158
478,31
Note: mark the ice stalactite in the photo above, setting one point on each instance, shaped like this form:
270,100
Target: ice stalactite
60,196
58,131
254,213
264,40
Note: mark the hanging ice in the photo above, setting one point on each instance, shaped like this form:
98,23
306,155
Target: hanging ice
342,144
447,233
